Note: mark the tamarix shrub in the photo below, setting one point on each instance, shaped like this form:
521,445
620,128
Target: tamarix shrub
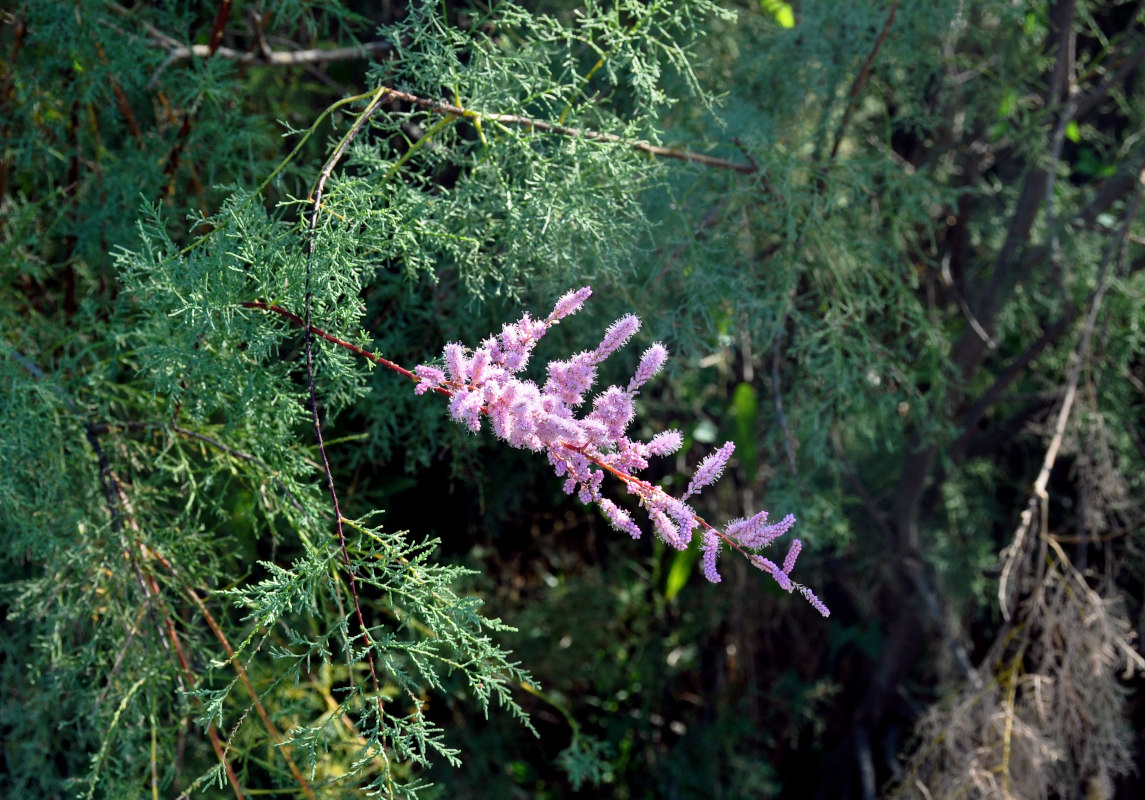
194,611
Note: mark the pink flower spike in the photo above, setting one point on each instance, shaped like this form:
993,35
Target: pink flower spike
710,469
668,532
650,363
616,336
665,443
743,530
569,380
431,378
569,304
756,533
478,364
455,362
582,450
614,410
684,516
815,602
771,569
619,518
711,549
792,554
466,408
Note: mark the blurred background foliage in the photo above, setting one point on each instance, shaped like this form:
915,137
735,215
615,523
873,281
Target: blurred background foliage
908,287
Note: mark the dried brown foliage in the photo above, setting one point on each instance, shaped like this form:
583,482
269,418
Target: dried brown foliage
1049,718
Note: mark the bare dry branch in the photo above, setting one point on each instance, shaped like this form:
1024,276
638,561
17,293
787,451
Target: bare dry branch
281,58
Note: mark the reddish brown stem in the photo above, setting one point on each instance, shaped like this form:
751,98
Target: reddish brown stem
220,25
184,133
316,204
353,348
151,586
531,124
275,736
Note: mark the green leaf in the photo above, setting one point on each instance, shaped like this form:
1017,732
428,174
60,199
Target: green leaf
744,414
1073,131
1008,103
681,569
782,12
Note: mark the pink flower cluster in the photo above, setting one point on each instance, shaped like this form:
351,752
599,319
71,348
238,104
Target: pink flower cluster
582,449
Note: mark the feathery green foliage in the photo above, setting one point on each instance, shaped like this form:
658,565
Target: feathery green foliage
898,247
184,592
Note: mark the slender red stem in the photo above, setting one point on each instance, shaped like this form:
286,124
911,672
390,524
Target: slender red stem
353,348
319,187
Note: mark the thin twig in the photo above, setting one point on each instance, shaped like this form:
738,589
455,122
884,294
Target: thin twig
99,428
282,58
860,79
156,604
178,51
274,58
531,124
1061,83
1011,373
380,96
1038,504
184,134
275,736
353,348
1086,102
746,153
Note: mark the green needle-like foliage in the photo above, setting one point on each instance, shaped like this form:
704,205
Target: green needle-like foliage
200,616
896,250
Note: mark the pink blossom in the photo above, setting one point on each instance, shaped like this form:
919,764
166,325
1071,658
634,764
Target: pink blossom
792,554
582,449
614,410
755,533
455,362
815,602
665,443
619,518
711,549
477,366
569,304
710,469
569,380
466,408
650,363
430,378
769,567
668,532
617,336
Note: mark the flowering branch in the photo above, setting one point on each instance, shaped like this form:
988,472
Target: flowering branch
483,383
